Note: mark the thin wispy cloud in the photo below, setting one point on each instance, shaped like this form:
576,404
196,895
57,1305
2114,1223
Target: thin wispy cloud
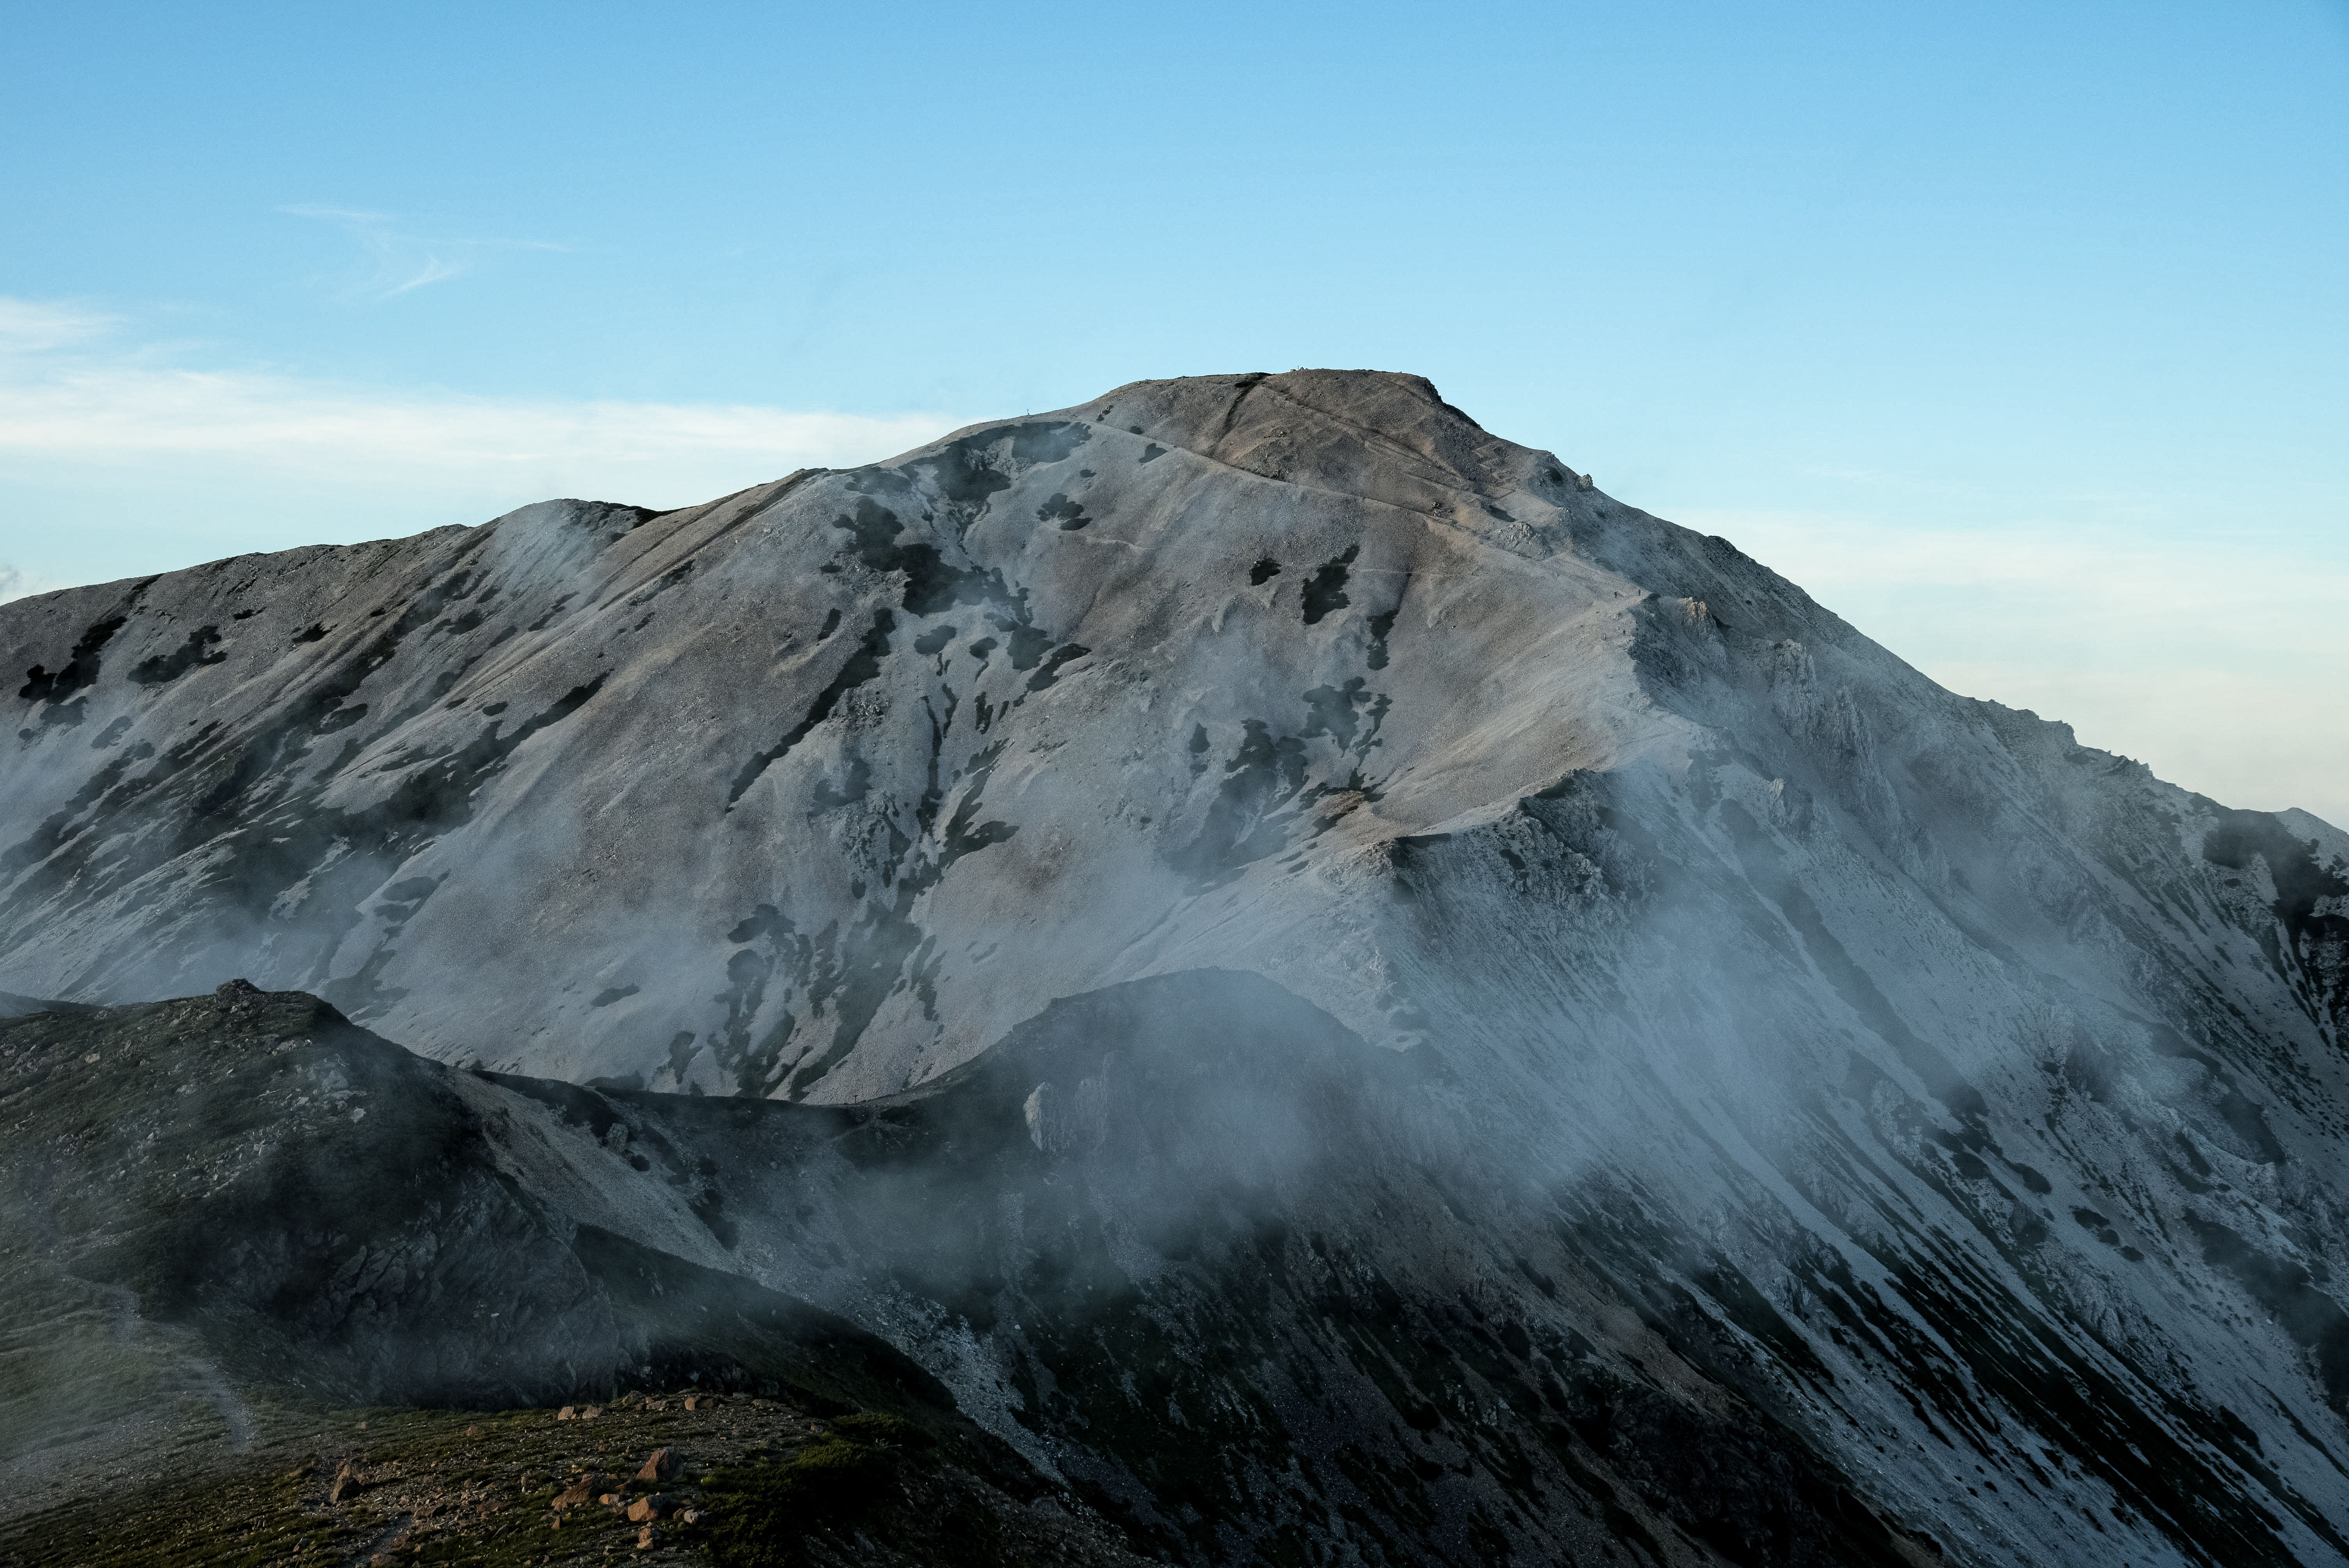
128,412
399,260
87,407
35,326
75,389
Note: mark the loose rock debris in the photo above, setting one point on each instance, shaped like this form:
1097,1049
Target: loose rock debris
651,1483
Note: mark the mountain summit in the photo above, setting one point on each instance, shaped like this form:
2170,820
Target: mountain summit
1749,1029
814,790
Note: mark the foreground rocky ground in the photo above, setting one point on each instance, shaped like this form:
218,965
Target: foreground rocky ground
741,1483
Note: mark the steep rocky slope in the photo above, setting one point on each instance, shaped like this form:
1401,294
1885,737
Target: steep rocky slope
1873,1077
210,1196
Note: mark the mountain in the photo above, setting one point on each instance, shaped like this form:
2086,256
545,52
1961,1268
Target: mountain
1349,994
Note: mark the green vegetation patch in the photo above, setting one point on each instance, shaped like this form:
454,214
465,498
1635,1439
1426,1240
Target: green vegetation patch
766,1513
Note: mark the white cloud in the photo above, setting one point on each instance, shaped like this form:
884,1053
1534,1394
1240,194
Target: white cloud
118,413
17,583
74,400
397,260
35,326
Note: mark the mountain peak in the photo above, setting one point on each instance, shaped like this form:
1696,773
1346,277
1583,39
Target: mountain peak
1383,435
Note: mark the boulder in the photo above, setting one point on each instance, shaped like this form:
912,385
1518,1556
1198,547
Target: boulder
585,1489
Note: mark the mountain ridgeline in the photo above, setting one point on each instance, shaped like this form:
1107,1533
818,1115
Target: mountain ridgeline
1282,962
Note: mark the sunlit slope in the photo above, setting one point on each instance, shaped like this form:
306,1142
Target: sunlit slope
816,787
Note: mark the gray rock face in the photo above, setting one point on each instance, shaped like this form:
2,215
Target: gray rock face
1784,1029
814,791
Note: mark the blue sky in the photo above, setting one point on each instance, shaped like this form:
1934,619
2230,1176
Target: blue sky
2016,334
